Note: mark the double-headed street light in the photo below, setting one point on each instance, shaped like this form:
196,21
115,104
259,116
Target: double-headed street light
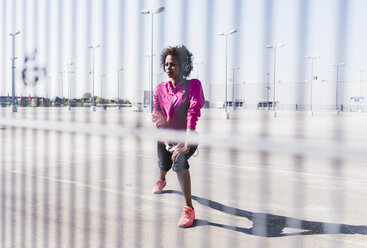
118,86
147,12
275,60
233,70
311,78
226,70
13,58
93,48
337,65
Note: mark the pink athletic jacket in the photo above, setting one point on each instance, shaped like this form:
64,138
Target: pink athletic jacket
178,108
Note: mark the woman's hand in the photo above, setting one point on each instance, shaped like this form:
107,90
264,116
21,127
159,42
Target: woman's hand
178,150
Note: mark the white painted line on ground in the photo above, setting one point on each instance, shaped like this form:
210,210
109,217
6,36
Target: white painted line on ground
90,186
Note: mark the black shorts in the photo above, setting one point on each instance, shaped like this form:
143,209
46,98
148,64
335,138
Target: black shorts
165,161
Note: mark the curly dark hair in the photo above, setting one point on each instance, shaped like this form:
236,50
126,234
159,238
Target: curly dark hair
183,56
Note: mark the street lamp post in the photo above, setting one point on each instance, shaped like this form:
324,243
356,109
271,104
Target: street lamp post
69,73
198,64
337,82
93,48
275,57
118,86
233,70
311,78
147,12
150,88
226,114
14,106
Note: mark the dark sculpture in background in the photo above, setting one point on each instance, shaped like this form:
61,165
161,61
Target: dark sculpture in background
32,73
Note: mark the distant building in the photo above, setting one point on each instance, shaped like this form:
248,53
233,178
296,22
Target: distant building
140,99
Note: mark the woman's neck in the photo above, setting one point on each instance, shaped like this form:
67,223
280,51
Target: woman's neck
175,81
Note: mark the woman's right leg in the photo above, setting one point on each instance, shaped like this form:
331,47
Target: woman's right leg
185,183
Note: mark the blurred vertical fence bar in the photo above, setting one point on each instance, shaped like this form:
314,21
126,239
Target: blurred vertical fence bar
138,233
35,189
120,154
3,188
72,73
46,184
208,53
260,220
59,208
298,160
235,173
337,165
104,160
13,151
3,45
88,163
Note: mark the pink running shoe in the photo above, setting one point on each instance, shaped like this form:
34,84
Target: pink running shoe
159,185
187,217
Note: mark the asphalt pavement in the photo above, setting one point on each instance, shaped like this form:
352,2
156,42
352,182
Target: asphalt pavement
84,179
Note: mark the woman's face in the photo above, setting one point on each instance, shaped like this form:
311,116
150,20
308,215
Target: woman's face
171,67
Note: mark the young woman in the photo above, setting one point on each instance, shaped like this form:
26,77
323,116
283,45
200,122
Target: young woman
177,105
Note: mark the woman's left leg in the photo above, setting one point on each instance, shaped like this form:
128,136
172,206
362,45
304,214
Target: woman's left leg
185,183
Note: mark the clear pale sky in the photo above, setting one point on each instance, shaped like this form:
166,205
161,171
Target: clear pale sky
62,31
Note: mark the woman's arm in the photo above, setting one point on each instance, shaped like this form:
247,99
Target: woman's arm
196,102
158,116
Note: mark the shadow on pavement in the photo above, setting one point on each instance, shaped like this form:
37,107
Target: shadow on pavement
275,224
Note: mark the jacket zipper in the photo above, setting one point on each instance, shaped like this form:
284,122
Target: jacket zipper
171,107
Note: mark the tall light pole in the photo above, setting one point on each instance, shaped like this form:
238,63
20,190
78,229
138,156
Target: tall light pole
13,58
275,47
311,78
147,12
197,66
233,70
102,76
93,48
150,88
337,65
226,114
69,75
118,86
